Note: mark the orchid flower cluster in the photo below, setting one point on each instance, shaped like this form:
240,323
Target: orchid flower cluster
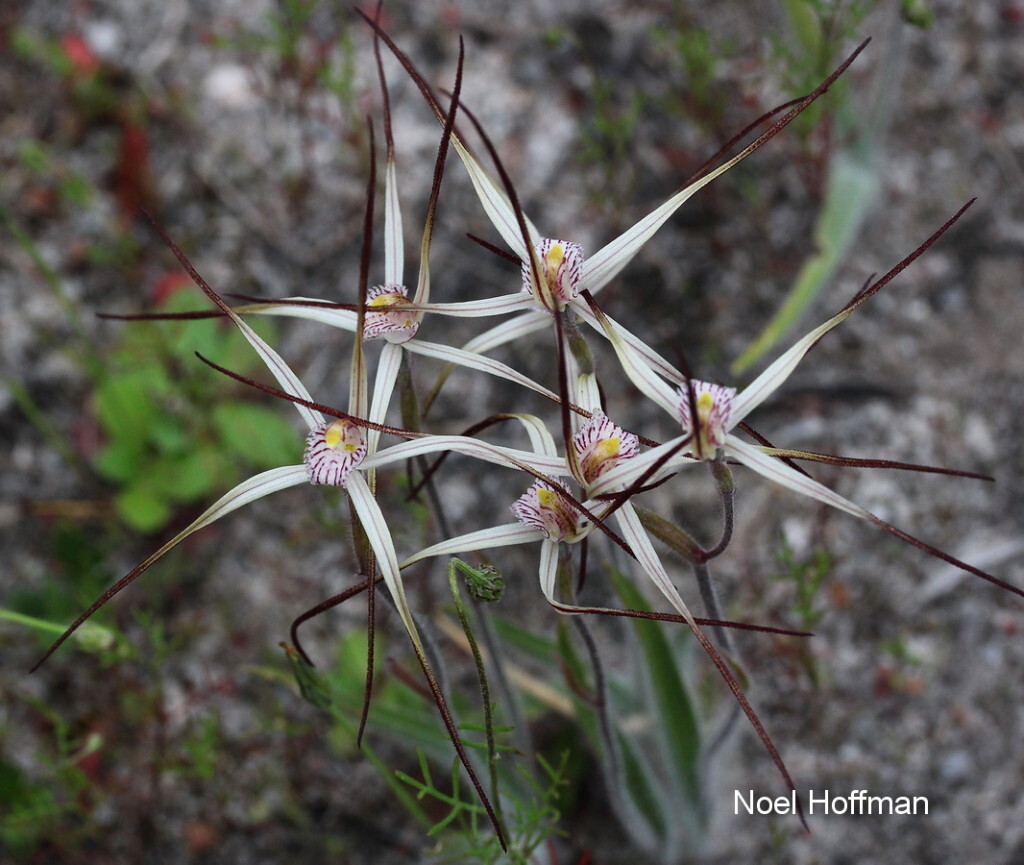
579,477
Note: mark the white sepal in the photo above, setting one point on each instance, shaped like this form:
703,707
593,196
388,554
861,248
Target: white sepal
484,539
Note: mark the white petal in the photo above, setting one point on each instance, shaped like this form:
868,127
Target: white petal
496,204
344,319
605,264
781,473
394,254
388,366
473,360
633,533
501,305
422,295
588,394
485,539
548,571
248,491
636,367
778,371
650,356
379,536
776,470
288,380
540,438
509,331
508,457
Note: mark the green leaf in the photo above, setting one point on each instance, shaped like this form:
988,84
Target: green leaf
120,461
185,337
233,349
14,787
918,13
27,812
678,721
313,685
169,435
533,643
644,787
90,636
257,435
142,508
575,668
125,405
187,477
853,184
806,25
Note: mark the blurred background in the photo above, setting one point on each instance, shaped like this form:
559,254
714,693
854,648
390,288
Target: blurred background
176,734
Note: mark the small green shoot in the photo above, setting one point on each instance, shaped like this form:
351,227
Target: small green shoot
92,637
807,576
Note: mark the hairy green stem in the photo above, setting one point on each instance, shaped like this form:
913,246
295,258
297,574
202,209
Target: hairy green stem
456,566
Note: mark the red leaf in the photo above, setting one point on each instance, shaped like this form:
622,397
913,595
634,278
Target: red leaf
133,187
81,56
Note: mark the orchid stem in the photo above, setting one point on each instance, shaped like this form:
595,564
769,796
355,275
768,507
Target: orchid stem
456,566
726,490
709,596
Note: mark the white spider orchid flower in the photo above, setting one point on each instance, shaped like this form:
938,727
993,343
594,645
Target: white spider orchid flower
549,514
710,413
336,454
555,272
333,451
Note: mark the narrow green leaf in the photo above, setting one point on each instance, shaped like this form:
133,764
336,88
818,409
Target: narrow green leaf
853,184
677,716
645,789
533,643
